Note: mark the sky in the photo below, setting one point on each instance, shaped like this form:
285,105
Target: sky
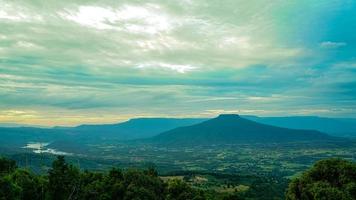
72,62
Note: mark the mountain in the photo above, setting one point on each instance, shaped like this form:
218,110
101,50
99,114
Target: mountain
60,137
81,138
230,129
342,127
132,129
20,136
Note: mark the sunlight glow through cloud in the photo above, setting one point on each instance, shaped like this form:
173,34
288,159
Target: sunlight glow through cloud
178,68
134,19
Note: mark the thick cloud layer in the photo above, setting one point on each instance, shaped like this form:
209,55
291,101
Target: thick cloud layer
66,62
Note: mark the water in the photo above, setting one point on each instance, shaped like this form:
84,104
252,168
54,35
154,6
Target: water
41,147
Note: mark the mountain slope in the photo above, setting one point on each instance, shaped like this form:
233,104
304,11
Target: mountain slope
342,127
18,137
77,138
132,129
229,129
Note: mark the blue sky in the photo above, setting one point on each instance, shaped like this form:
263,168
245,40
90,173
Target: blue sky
72,62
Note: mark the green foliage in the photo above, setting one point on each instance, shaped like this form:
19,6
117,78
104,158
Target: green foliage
330,179
234,196
266,189
65,181
180,190
32,186
7,165
8,189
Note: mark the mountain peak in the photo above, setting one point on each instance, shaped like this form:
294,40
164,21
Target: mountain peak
232,129
228,116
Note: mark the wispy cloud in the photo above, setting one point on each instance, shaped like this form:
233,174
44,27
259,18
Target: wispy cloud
332,45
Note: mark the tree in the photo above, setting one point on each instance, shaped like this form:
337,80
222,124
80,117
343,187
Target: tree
63,180
180,190
330,179
8,190
31,185
234,196
93,185
143,185
7,165
114,184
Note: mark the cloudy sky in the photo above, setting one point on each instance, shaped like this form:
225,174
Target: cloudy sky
71,62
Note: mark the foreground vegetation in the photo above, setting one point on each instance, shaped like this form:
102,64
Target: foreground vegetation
330,179
64,181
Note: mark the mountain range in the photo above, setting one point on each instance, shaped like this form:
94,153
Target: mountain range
131,129
223,129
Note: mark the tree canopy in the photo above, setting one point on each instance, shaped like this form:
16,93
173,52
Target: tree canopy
330,179
65,181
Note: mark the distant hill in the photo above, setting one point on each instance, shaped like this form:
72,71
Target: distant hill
19,136
59,136
132,129
230,129
342,127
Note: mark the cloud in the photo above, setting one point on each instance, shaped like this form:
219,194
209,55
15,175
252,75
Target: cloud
146,19
95,17
75,62
10,12
178,68
332,45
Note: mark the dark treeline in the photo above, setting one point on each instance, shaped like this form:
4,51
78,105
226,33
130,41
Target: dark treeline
331,179
65,181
